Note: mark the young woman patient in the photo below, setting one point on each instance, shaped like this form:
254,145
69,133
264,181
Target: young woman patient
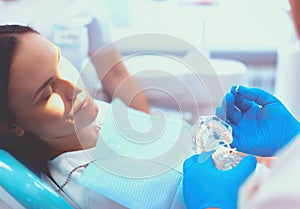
46,115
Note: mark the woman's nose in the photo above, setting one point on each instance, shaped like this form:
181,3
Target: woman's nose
71,90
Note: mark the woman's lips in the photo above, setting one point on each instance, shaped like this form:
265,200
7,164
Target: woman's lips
81,102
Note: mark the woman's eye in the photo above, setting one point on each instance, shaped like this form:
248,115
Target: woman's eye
46,98
48,93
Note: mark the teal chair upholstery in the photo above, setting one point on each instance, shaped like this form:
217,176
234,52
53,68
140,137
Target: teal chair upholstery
26,187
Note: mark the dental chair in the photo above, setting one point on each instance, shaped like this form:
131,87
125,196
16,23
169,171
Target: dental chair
21,188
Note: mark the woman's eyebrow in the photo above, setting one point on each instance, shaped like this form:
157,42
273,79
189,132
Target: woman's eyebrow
41,88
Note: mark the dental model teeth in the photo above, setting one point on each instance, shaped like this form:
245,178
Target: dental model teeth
210,133
226,158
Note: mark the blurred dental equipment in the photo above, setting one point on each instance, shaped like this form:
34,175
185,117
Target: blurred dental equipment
287,79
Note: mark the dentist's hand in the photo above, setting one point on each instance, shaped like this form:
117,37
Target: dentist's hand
261,123
204,186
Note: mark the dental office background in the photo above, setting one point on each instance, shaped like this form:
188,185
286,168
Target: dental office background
250,31
250,34
247,42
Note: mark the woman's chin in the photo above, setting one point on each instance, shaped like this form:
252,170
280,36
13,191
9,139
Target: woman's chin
86,116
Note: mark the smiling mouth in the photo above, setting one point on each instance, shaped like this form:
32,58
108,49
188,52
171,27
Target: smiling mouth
81,102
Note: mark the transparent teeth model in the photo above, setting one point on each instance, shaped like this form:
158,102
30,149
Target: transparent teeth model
226,158
212,136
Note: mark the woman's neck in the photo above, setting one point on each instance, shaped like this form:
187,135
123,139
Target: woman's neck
84,139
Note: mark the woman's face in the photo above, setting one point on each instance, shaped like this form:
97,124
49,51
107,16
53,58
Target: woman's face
44,94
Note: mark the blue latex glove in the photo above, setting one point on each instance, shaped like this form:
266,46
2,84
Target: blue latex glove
204,186
261,124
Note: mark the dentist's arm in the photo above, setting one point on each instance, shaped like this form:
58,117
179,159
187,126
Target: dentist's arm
295,9
110,69
117,81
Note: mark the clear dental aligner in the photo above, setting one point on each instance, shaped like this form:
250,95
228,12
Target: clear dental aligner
210,133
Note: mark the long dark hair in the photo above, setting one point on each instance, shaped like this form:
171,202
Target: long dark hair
29,149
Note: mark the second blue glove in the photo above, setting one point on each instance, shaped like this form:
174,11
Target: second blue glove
204,186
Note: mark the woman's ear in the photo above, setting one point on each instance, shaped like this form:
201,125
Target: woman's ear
17,130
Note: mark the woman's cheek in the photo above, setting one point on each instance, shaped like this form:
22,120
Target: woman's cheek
55,106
